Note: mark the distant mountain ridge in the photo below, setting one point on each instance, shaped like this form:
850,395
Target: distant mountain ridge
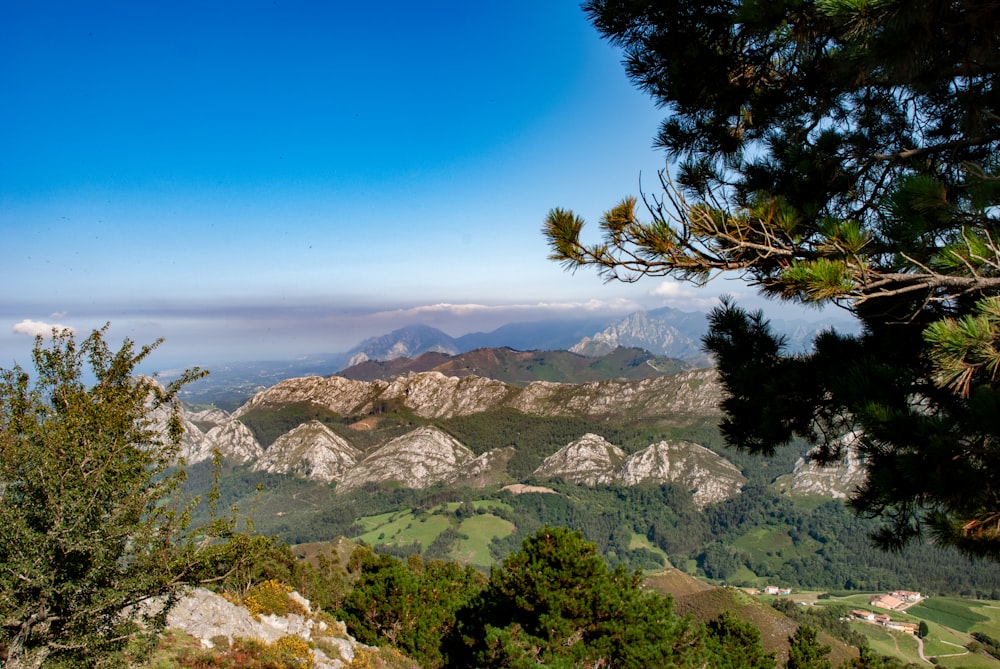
677,334
405,342
414,340
665,333
520,368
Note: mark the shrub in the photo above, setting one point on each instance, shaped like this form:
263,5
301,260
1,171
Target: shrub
271,597
288,652
381,658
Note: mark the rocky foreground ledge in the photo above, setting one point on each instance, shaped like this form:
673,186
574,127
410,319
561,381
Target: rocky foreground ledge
207,616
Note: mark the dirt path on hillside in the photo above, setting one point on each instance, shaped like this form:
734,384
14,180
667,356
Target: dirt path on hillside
920,648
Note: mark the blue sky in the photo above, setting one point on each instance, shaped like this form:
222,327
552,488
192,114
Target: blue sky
261,180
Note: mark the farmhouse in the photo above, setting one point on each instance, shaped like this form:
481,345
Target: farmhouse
863,615
907,596
886,602
899,626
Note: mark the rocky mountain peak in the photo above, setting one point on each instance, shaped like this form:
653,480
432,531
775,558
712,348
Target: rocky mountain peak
710,477
592,460
692,392
340,395
232,439
416,459
837,480
589,460
669,332
404,342
434,395
310,450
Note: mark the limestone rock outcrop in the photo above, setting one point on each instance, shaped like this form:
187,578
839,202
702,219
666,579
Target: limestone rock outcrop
428,455
417,459
592,460
434,395
310,450
233,439
484,470
339,395
589,460
710,477
837,480
695,392
206,615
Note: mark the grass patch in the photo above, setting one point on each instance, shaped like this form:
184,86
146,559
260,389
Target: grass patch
642,541
745,577
424,530
480,530
402,528
891,644
765,541
490,504
371,523
809,502
954,613
990,627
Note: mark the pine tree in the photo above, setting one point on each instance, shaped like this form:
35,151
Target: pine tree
556,603
805,652
737,644
833,152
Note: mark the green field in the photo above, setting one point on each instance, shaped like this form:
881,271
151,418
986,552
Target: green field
478,531
892,644
765,540
642,541
403,528
959,614
949,621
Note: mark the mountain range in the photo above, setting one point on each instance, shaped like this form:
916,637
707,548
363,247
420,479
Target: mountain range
664,333
326,429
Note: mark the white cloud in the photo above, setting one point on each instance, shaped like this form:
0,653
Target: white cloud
678,294
542,308
36,328
671,289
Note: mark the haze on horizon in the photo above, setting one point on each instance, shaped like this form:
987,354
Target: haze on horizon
267,180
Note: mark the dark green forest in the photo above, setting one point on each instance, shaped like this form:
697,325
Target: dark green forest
800,543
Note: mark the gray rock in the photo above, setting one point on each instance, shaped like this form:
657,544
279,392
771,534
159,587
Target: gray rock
710,477
310,450
590,460
206,615
837,480
234,440
417,459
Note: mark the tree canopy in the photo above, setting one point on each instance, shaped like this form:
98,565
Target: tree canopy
92,551
833,152
555,603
